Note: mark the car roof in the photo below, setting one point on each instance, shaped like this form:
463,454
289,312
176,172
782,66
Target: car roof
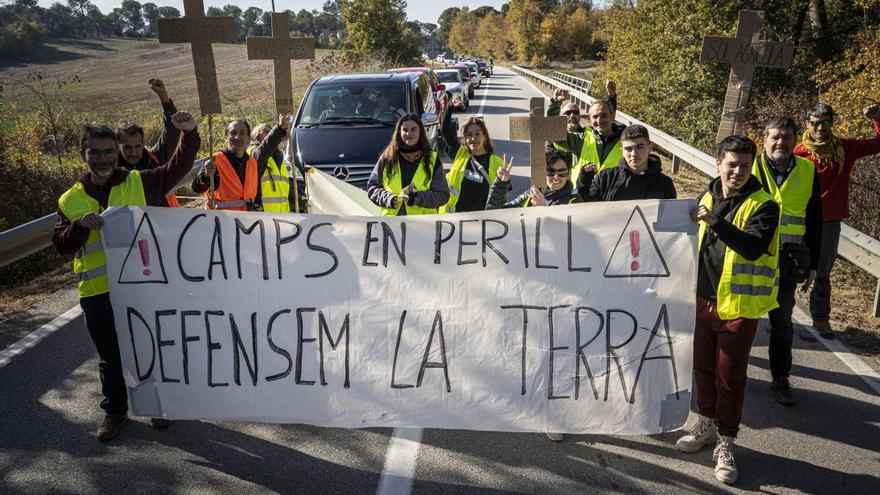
409,69
364,77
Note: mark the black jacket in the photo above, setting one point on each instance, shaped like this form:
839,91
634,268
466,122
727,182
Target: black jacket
498,196
621,184
750,243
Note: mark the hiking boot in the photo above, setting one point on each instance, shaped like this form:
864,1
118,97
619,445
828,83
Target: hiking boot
556,437
782,392
824,329
725,466
160,423
702,433
109,429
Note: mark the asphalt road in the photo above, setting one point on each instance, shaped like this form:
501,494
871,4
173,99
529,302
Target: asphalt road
49,398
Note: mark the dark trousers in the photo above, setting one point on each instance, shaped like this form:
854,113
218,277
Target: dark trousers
721,359
820,296
102,328
782,331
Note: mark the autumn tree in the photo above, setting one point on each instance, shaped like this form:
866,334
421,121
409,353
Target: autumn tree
377,28
492,35
524,19
461,36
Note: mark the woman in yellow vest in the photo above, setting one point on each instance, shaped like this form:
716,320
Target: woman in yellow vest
275,181
474,167
559,190
408,178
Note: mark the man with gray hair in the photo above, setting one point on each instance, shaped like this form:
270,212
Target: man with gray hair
793,182
833,158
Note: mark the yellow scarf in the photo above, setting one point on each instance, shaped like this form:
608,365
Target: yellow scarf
412,156
825,152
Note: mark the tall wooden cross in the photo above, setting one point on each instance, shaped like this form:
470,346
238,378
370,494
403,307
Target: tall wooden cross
536,128
200,31
745,52
281,49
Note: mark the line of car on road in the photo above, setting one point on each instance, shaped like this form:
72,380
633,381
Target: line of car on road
345,120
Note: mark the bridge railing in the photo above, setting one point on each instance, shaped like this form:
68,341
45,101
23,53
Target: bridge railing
857,247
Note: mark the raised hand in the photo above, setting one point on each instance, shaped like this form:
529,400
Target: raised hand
284,120
872,112
589,167
610,87
208,167
538,197
457,102
183,121
158,87
560,94
504,171
704,214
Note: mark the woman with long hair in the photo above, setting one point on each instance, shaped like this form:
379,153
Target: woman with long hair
408,178
474,167
559,191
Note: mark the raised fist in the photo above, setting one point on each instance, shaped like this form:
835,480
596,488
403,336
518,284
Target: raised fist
560,94
183,121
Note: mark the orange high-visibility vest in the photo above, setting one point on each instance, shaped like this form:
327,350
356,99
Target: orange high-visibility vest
171,198
232,195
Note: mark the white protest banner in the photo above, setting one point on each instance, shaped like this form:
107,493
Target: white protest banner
573,319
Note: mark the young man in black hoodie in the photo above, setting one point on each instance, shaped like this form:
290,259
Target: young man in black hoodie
737,282
637,175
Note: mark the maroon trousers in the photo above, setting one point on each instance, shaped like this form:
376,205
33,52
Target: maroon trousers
721,358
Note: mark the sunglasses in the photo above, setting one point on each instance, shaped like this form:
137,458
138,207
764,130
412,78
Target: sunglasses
820,123
557,172
571,112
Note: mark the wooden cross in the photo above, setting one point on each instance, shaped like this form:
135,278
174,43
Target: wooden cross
200,31
281,49
745,52
536,128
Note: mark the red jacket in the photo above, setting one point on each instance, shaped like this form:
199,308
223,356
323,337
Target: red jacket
834,180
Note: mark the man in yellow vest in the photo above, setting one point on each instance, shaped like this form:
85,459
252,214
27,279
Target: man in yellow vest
794,183
134,155
737,276
596,146
275,181
78,232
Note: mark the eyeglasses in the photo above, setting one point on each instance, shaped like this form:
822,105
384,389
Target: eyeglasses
820,123
571,112
557,172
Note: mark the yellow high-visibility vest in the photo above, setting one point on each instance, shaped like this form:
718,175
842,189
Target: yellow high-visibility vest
590,153
274,186
421,180
89,264
455,176
747,289
793,196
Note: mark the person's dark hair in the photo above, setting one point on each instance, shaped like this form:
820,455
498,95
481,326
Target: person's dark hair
780,123
740,145
391,155
634,132
554,155
233,121
604,103
94,131
129,129
473,120
820,109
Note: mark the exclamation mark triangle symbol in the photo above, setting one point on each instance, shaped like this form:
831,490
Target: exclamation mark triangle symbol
143,263
636,253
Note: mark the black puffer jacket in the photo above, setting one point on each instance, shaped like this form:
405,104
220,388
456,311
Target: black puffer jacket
621,184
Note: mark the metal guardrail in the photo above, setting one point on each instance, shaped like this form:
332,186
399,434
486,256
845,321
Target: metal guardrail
856,247
36,235
580,83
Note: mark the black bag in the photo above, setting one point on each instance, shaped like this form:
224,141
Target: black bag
794,262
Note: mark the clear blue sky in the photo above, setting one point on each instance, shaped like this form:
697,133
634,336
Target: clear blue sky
421,10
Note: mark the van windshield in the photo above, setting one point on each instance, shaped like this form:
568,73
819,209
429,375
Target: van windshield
352,103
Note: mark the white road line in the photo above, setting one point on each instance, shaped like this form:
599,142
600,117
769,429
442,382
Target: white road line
400,462
483,103
854,362
39,334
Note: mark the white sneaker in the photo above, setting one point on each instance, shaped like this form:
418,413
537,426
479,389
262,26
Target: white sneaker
725,466
702,433
556,437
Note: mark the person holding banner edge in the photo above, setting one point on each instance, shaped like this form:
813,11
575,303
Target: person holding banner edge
408,159
737,280
474,167
559,190
77,232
